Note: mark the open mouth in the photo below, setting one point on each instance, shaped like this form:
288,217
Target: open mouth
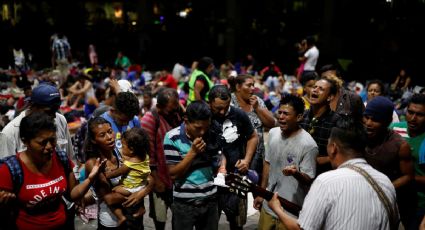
111,144
283,124
370,131
411,125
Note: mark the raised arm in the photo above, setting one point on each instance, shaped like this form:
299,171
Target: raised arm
263,113
179,170
78,190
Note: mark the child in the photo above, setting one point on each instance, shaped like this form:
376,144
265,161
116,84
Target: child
135,171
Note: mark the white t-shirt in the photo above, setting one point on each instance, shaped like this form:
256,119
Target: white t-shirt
299,150
10,141
178,71
312,56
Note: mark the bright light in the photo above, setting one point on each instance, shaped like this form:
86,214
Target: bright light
183,14
133,23
118,12
389,1
5,12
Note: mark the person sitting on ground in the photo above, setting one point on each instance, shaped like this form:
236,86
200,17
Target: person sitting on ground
83,89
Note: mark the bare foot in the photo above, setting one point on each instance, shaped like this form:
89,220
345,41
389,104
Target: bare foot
140,212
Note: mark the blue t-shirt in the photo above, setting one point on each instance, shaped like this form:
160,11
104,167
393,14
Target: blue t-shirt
119,130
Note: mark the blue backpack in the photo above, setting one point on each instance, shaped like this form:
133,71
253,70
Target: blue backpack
17,174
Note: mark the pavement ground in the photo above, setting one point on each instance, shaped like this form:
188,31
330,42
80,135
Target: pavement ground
252,221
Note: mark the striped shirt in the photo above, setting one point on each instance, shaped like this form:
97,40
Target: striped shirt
320,129
344,199
156,150
198,183
62,48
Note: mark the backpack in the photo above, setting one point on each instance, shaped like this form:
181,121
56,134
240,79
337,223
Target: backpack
17,173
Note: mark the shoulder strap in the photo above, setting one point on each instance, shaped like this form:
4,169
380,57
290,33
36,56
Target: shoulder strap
391,212
16,172
64,159
117,154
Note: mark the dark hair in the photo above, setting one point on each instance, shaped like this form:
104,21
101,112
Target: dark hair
165,95
331,67
310,40
296,102
127,103
147,92
350,135
379,83
417,98
35,122
198,111
91,150
138,141
203,63
308,76
334,86
219,91
240,79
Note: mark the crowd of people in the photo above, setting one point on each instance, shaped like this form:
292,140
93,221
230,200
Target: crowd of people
93,141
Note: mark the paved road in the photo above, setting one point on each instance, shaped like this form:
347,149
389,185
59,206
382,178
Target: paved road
251,224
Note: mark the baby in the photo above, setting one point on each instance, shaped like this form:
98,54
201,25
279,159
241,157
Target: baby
134,171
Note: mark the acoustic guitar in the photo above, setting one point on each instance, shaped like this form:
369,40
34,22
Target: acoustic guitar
241,186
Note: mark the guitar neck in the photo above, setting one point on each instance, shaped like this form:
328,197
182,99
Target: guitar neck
286,204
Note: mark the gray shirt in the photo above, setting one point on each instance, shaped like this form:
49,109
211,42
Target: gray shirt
11,143
299,150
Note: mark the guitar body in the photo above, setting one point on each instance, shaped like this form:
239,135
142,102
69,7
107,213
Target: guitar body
242,186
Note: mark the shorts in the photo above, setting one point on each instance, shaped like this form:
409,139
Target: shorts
268,221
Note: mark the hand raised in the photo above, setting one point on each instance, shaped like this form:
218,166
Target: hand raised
198,145
253,100
97,168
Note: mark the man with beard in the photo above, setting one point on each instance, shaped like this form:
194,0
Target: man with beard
319,119
389,153
157,123
413,131
290,161
238,141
